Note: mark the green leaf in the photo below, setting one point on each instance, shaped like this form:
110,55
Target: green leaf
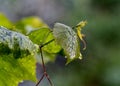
13,71
30,23
67,38
5,22
44,35
16,58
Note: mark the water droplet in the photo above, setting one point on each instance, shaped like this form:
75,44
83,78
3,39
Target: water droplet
21,81
65,56
80,57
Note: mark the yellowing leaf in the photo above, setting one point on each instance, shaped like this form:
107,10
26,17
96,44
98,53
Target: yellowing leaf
80,35
81,24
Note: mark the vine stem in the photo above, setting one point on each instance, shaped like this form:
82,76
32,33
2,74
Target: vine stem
43,65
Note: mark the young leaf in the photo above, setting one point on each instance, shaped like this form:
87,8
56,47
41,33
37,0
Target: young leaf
67,38
80,35
44,35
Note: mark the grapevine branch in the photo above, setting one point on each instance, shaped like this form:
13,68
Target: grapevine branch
43,65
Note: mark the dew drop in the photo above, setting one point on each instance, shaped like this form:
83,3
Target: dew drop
80,57
65,56
21,81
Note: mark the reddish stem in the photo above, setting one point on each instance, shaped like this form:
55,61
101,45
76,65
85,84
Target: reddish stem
43,65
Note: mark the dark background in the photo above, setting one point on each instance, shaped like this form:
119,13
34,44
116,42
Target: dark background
100,65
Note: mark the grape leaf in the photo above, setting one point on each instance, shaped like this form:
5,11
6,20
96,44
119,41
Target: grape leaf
13,71
44,35
67,38
30,23
5,22
16,58
16,42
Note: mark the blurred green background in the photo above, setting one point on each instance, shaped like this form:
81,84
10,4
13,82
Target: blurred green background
100,65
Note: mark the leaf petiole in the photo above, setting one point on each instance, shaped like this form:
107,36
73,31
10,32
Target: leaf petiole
43,65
